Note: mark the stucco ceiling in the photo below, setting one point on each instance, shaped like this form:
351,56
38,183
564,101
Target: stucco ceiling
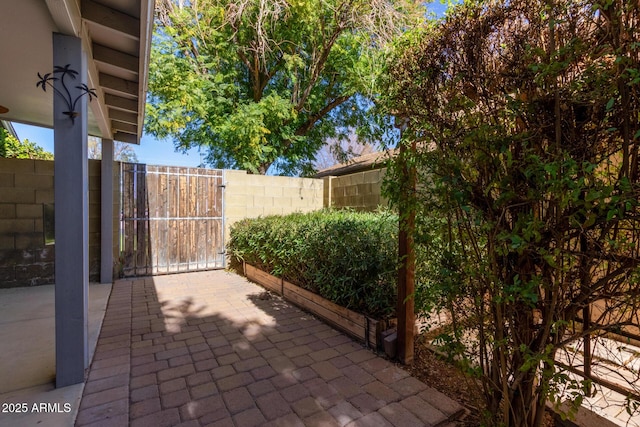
115,34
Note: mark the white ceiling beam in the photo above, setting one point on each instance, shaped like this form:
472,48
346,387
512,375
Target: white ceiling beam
118,86
98,107
121,103
126,137
111,18
124,127
116,58
123,116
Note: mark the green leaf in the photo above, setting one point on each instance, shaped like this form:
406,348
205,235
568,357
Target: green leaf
610,104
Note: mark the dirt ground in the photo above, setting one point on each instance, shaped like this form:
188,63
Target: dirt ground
451,381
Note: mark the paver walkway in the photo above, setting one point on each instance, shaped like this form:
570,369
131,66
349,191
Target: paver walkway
212,349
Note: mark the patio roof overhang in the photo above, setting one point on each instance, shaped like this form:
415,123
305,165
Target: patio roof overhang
116,36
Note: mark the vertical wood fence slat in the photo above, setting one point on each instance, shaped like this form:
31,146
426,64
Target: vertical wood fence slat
172,212
172,266
163,226
202,245
128,238
152,207
141,222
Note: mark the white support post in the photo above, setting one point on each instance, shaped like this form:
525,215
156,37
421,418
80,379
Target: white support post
106,212
71,216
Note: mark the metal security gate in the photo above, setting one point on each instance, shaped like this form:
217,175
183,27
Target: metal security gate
171,219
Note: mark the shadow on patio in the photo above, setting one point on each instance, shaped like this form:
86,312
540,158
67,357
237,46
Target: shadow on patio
211,348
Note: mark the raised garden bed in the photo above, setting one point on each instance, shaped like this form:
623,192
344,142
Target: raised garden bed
363,328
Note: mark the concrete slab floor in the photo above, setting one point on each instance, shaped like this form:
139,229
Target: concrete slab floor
27,355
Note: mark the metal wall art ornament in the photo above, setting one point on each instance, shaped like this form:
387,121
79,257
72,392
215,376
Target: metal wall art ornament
49,78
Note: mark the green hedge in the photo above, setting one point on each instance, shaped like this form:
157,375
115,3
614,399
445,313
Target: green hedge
347,257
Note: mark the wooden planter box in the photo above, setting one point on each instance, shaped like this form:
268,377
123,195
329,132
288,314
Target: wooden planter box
359,326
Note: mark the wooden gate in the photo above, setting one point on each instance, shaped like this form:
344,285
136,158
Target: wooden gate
171,219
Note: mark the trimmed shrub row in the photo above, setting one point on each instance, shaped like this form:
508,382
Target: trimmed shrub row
346,257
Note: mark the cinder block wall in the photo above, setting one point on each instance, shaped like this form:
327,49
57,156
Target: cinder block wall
26,186
360,191
250,196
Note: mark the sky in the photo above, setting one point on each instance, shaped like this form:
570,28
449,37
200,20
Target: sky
152,151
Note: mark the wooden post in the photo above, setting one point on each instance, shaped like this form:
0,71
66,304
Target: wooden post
406,253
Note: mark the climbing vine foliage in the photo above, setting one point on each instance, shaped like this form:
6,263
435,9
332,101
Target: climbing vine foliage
526,118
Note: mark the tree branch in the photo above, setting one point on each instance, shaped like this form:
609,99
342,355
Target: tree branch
314,118
316,69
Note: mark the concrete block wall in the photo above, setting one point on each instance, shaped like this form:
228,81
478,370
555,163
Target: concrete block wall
251,196
360,191
26,186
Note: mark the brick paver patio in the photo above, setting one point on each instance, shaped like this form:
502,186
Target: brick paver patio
212,349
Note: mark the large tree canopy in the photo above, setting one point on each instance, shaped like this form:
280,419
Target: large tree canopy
260,83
